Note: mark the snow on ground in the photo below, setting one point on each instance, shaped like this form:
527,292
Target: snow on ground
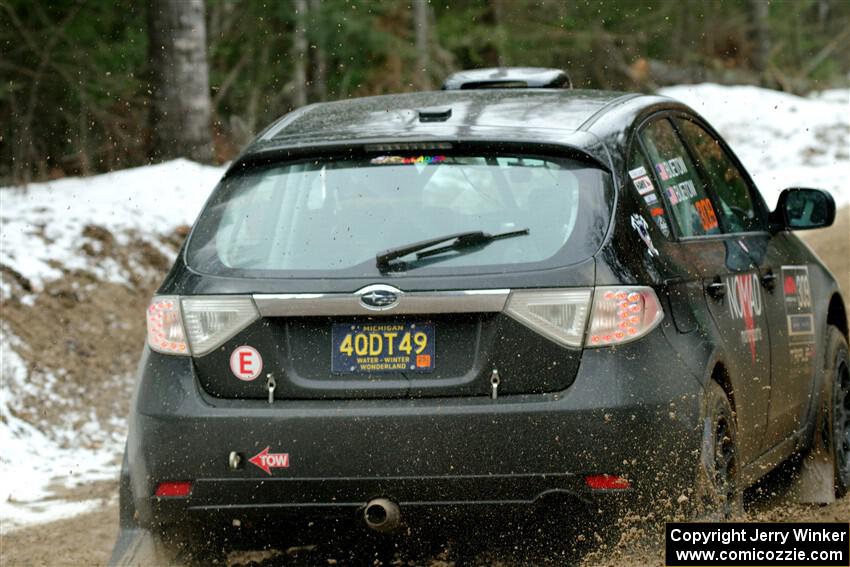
34,464
43,222
783,140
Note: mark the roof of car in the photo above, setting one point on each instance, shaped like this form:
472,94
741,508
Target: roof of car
485,114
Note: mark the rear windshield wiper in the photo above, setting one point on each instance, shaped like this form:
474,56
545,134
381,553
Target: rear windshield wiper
471,239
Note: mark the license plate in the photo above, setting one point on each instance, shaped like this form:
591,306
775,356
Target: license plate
375,348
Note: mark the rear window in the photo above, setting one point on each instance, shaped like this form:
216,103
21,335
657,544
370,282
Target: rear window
332,216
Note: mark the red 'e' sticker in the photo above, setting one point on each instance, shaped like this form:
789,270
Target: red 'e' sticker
246,363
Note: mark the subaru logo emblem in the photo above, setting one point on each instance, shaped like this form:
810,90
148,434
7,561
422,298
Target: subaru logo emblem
379,297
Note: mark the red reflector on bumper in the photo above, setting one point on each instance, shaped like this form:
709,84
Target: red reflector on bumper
606,482
174,489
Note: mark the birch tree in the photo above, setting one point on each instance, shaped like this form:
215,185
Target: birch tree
181,107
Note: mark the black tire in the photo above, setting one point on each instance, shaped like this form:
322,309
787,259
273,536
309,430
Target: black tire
835,426
723,497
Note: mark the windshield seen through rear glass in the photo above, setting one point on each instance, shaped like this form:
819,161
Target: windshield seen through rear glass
333,216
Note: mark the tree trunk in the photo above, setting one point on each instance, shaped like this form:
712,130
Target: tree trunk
423,51
759,34
320,62
299,78
181,109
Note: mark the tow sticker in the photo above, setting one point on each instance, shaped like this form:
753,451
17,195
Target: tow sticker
639,224
246,363
268,461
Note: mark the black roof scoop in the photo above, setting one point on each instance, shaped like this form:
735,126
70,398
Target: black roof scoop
508,78
434,113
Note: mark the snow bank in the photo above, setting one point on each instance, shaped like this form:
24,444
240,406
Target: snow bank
42,224
783,140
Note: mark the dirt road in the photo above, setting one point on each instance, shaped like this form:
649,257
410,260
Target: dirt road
87,539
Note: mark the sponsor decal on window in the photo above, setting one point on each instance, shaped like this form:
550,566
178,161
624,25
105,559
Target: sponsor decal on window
662,226
643,185
671,168
681,192
407,160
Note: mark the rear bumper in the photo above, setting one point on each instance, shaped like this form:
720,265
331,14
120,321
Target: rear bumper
625,414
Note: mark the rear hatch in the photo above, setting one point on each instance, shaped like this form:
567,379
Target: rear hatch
398,274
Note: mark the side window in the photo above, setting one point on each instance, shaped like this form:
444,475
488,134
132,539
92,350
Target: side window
733,194
681,186
640,176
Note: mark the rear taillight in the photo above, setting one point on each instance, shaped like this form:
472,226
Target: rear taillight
622,314
165,326
560,315
210,321
617,314
196,325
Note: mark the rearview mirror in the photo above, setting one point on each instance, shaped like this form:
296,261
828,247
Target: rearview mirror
801,209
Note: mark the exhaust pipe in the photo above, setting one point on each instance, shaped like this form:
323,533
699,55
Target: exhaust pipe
382,515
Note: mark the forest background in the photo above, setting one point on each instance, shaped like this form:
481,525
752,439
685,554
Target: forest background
88,86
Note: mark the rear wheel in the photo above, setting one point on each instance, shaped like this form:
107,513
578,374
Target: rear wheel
723,497
835,427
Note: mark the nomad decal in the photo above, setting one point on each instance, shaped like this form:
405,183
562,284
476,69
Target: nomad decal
745,303
246,363
268,461
643,185
800,317
639,224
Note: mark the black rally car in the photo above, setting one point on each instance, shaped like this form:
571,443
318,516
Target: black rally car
506,293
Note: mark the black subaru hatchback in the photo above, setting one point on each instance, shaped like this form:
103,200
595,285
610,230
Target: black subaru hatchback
506,293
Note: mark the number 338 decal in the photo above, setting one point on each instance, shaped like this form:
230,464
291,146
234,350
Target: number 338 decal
706,214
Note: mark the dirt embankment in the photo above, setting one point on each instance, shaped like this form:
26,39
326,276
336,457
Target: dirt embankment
74,329
80,336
